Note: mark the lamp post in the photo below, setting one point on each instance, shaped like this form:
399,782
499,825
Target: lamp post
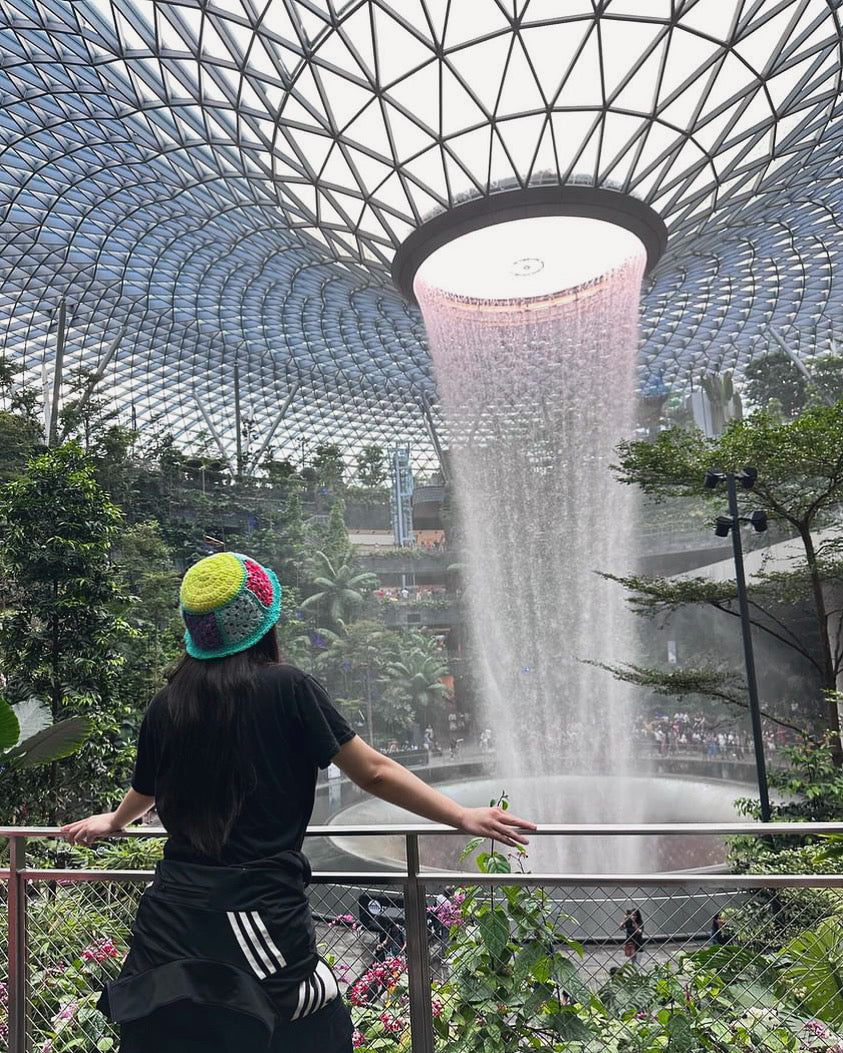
723,526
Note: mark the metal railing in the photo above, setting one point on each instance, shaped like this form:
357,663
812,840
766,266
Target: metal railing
67,930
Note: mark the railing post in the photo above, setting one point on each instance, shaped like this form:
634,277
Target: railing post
17,946
418,961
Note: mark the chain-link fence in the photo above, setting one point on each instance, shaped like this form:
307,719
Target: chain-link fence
486,962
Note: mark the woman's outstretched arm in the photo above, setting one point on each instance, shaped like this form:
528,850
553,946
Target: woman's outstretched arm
383,777
84,831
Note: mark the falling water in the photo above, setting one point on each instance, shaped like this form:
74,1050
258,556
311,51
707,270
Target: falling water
536,393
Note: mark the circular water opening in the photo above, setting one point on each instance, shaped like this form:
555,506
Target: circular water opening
527,258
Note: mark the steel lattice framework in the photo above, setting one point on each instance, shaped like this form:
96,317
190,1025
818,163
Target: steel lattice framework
216,180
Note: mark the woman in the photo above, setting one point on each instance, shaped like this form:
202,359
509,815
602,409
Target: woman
633,925
223,955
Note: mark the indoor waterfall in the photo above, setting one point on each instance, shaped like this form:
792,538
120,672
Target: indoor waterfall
537,389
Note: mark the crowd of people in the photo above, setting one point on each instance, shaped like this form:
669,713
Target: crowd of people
683,732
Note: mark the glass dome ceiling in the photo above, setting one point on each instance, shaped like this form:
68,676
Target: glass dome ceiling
216,179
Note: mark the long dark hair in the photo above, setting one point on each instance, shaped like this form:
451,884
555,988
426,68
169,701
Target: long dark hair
207,777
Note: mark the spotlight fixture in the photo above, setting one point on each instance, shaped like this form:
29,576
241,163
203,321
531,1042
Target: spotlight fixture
759,520
722,526
748,477
712,478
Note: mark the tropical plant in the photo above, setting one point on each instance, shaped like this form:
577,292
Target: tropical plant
514,983
416,679
354,663
28,736
342,587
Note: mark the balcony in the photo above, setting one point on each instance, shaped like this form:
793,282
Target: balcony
434,959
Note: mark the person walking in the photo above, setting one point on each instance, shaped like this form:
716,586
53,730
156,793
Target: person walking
223,955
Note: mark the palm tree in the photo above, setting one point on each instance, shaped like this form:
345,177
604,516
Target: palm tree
417,678
343,587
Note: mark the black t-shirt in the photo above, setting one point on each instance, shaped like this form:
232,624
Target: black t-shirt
291,729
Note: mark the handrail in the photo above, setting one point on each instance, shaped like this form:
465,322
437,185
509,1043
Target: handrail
415,883
543,830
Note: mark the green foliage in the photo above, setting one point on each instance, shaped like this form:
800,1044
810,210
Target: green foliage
20,438
328,464
145,563
695,682
342,587
371,466
776,384
800,484
28,736
86,415
515,983
60,639
800,467
335,543
415,679
775,379
815,973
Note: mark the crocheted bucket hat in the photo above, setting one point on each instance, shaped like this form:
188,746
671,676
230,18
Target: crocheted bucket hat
228,602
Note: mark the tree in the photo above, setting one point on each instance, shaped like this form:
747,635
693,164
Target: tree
335,543
20,439
145,563
774,379
60,642
800,484
416,678
21,432
278,473
86,414
371,466
355,663
774,382
826,379
342,588
328,464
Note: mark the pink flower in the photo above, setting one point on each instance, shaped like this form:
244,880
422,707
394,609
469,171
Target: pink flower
101,950
816,1028
357,1039
449,911
64,1016
436,1006
391,1023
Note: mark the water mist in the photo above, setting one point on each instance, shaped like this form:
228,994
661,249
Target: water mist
535,371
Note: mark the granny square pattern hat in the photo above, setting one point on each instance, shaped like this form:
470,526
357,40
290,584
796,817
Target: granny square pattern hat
228,602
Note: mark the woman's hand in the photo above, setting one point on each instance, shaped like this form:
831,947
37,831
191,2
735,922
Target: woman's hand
86,831
495,823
